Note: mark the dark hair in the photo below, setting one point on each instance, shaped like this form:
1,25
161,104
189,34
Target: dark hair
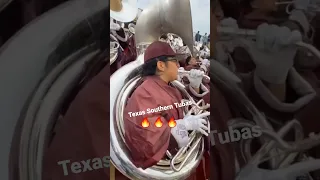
149,68
234,9
188,60
245,5
164,36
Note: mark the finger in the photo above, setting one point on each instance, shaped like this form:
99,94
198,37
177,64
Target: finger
203,115
205,128
284,36
192,73
201,73
197,72
260,35
270,37
276,38
295,37
203,132
203,121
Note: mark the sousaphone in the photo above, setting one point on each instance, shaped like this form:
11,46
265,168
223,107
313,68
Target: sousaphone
162,17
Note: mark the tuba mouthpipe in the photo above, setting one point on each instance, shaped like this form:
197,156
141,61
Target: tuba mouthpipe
187,72
246,33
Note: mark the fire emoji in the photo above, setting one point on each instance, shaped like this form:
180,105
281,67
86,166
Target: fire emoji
172,123
158,123
145,123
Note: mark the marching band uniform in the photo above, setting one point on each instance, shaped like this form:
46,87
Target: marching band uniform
149,145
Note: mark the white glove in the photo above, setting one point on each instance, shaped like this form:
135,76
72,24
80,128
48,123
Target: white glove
195,123
300,17
202,53
189,123
183,50
195,78
221,53
114,26
205,62
204,68
273,52
229,22
179,75
224,46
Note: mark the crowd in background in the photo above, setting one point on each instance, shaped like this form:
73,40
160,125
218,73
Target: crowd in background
204,39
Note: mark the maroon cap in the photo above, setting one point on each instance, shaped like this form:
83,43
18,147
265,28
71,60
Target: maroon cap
157,49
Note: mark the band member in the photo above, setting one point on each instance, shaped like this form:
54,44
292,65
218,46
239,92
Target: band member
193,63
148,146
258,12
204,65
275,86
252,13
222,156
127,50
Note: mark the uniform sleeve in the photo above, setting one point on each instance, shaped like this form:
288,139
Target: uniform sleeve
147,144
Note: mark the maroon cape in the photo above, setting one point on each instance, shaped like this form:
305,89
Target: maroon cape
148,145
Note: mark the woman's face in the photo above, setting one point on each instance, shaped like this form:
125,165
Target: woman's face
193,61
169,69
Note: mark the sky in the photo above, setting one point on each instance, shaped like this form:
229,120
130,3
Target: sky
200,10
